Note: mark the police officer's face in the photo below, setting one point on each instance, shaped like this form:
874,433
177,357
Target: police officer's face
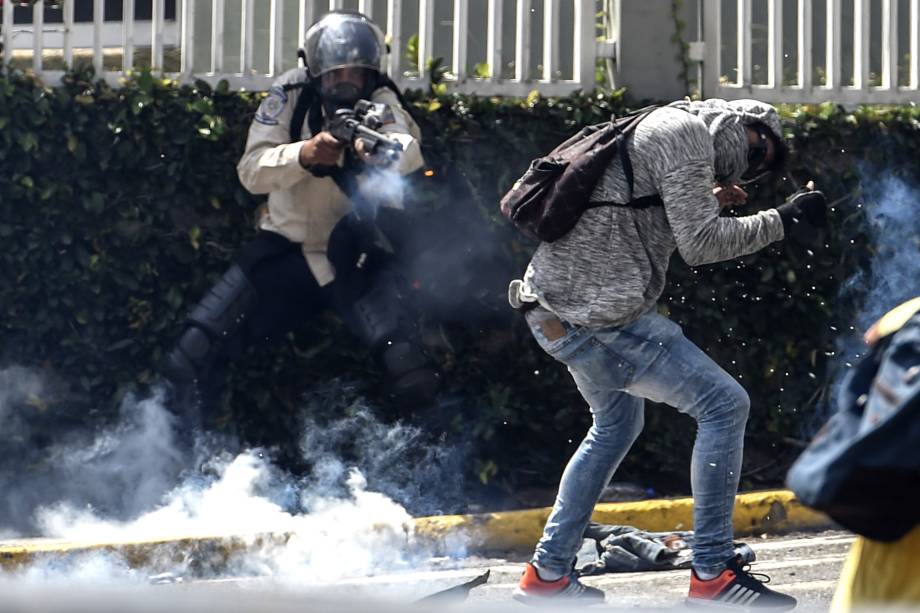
350,74
343,87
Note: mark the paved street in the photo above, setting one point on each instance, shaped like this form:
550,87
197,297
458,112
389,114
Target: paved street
806,566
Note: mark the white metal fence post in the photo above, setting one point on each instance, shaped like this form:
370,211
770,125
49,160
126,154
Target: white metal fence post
156,35
247,32
38,35
744,43
67,18
585,35
890,44
775,44
217,36
127,34
276,28
187,48
522,41
861,43
461,31
494,39
805,49
550,39
394,29
98,8
833,54
425,29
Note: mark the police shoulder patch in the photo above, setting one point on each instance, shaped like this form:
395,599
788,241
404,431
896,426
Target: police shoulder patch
272,106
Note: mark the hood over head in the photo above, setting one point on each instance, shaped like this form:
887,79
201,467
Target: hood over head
726,121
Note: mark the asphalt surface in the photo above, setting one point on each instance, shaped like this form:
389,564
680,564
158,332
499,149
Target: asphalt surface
806,566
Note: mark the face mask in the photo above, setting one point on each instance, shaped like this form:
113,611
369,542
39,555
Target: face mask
757,155
343,95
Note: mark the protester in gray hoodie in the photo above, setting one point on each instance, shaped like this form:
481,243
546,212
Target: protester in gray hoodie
596,289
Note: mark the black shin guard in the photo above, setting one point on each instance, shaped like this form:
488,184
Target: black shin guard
193,366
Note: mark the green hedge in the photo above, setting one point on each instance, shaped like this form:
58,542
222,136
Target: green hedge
118,207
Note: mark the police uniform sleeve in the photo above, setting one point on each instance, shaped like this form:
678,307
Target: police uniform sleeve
271,162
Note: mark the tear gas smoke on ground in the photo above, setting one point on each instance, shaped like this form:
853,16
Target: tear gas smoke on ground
120,485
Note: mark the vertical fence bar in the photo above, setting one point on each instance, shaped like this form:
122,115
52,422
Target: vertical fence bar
304,19
584,46
833,54
38,35
217,36
712,34
98,8
861,32
275,37
68,34
522,41
366,7
187,44
915,44
494,39
127,35
247,31
425,27
890,44
744,43
394,29
775,44
7,33
156,35
335,5
461,32
806,51
550,39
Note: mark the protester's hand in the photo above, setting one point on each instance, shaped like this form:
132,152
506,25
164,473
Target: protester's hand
321,150
806,207
363,149
729,196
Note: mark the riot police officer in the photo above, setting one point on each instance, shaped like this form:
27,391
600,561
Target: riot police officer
318,244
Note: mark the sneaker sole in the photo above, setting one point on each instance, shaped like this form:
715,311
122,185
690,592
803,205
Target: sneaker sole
553,601
700,603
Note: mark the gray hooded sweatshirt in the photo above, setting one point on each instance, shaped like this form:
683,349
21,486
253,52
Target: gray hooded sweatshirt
610,268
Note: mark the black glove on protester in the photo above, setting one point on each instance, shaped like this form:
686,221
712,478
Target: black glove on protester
803,213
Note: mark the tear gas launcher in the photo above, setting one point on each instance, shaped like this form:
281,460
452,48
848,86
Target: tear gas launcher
363,123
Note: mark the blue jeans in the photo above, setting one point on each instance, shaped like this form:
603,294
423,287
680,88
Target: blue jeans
615,369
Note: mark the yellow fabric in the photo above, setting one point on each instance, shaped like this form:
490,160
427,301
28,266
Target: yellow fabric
880,573
895,319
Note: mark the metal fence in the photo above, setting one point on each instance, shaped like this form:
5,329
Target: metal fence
825,58
172,45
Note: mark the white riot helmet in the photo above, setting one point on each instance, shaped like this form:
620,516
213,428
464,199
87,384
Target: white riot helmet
343,39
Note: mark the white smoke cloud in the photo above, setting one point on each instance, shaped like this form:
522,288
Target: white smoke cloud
124,484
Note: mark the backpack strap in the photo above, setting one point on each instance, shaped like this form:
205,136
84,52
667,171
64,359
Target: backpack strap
304,102
631,121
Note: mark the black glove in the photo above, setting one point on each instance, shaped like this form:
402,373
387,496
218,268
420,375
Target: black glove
803,207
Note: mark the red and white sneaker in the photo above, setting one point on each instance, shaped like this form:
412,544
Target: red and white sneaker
535,591
737,588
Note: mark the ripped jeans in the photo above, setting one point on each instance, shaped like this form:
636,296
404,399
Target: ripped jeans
615,369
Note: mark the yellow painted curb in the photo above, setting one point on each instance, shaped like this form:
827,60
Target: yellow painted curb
771,511
201,551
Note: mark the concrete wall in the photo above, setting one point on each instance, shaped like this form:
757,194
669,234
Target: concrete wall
647,61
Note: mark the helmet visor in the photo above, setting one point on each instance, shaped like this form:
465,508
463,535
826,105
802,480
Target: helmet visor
341,40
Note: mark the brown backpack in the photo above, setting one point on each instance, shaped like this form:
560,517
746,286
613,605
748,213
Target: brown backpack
549,199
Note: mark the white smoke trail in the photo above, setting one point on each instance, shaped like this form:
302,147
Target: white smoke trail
892,211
